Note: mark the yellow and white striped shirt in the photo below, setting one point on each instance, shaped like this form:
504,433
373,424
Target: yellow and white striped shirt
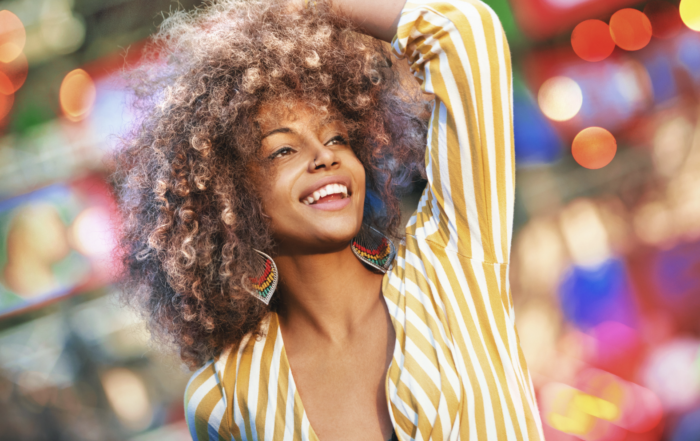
457,370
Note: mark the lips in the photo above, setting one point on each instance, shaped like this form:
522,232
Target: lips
330,192
326,190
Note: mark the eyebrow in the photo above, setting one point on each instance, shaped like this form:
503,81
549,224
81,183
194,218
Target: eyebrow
279,130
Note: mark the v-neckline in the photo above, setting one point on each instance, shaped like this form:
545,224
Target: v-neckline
285,360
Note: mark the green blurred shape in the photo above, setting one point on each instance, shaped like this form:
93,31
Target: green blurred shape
505,13
30,115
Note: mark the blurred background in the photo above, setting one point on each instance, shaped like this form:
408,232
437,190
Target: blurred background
606,253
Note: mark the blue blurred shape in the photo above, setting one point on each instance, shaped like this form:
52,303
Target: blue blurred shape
663,83
689,54
688,428
591,296
536,142
676,274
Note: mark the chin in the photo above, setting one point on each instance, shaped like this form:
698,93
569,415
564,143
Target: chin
338,235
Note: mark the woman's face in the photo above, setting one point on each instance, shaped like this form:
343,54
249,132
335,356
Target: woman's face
315,201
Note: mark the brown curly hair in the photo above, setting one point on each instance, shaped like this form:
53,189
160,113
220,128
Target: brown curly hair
190,209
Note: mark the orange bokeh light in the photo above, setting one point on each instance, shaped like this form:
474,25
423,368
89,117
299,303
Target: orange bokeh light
630,29
664,17
591,40
16,72
594,147
6,86
77,95
12,36
6,102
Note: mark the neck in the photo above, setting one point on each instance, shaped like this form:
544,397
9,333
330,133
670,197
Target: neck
330,293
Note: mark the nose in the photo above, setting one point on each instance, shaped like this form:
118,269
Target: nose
323,158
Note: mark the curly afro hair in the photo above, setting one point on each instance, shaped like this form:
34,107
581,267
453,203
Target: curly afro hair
190,209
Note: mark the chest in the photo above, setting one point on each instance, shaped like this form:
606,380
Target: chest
343,386
344,398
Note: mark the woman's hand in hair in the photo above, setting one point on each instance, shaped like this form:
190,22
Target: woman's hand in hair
378,18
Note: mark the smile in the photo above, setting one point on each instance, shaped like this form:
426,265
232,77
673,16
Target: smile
326,194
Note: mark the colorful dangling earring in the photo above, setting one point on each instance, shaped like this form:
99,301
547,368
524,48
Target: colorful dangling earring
265,282
373,248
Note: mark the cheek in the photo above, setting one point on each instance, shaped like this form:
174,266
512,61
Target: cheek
275,196
358,173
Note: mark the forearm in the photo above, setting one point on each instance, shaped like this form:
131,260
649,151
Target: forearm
377,18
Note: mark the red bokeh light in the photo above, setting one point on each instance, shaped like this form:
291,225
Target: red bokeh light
594,147
6,86
16,71
6,102
665,18
591,40
630,29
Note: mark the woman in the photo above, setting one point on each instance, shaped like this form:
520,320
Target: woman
271,142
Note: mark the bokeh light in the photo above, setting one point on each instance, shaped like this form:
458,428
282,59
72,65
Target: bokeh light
638,409
671,372
6,102
560,98
690,13
671,143
618,348
12,36
15,72
560,409
127,394
6,86
93,232
35,242
61,29
630,29
584,234
664,17
592,41
594,147
77,95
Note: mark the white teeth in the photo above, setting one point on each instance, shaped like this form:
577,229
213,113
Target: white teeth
326,191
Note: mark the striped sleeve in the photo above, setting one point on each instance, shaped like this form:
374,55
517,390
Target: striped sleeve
449,290
458,52
205,406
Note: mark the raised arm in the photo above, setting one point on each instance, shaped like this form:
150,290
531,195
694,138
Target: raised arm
458,51
460,234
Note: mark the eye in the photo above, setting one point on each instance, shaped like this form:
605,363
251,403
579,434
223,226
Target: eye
340,139
279,153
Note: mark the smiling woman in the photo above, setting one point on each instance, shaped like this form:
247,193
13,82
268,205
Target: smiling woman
194,175
267,129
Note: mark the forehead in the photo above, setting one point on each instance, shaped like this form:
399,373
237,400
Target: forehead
283,113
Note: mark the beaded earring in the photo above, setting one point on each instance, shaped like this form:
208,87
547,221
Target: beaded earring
373,248
265,282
